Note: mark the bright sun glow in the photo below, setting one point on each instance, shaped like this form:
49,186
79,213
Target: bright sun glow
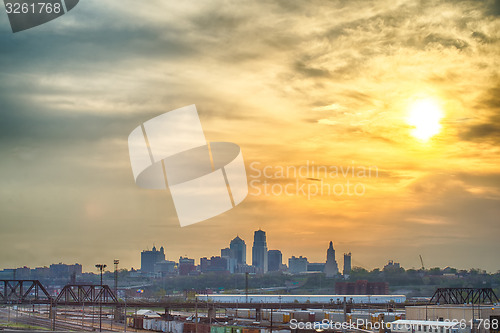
425,116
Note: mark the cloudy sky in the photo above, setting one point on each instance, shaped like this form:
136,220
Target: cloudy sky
410,89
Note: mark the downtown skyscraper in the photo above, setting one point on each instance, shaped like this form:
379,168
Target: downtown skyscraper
238,250
259,251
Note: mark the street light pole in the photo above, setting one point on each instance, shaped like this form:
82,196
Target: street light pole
100,267
116,262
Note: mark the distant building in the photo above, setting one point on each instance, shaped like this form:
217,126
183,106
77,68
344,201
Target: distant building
165,267
65,271
75,269
238,250
23,273
225,252
219,264
259,251
316,267
246,269
150,258
331,267
297,265
204,264
392,266
8,273
361,287
232,263
186,266
40,273
347,264
274,260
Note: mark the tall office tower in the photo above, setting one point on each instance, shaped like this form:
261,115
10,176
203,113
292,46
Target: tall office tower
150,258
331,267
259,251
347,264
238,250
274,260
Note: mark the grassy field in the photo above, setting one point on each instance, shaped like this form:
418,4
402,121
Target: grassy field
4,324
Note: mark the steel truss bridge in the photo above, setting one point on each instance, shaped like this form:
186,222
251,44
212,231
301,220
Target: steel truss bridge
464,296
33,292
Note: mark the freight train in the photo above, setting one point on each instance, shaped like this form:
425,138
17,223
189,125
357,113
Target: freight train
256,298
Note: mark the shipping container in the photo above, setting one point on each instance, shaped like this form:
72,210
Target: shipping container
320,314
217,329
302,316
138,323
174,327
336,317
146,324
250,330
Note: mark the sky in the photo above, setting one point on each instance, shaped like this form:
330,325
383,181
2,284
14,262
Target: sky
310,91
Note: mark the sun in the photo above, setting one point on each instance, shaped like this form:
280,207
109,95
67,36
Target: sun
425,116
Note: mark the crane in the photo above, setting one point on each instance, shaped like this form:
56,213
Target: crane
422,262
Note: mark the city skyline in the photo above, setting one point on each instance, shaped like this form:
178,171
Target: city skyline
372,123
331,266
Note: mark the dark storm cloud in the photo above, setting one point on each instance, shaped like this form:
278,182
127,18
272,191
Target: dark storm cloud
218,22
307,71
481,37
488,130
493,7
30,121
444,41
354,43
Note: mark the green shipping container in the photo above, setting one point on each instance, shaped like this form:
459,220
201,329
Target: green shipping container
236,329
217,329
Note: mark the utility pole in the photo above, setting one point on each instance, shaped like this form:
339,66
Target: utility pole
100,267
246,287
83,315
125,325
116,262
271,315
345,314
196,316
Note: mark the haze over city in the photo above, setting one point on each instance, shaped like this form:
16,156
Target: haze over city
409,90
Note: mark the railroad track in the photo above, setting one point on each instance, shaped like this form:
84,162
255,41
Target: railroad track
33,320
